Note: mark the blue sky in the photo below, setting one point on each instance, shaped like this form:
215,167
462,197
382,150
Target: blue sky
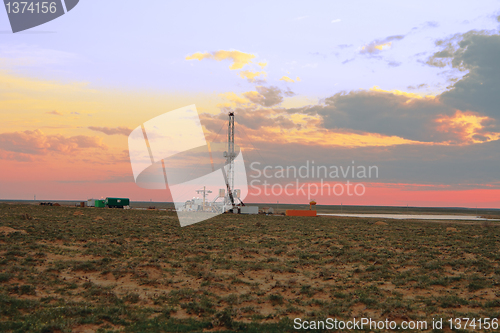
143,46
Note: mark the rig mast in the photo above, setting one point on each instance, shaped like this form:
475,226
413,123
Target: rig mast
230,155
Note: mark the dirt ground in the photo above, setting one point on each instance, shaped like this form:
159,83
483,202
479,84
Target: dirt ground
66,269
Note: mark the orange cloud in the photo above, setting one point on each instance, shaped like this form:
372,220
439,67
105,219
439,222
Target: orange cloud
251,95
266,96
322,137
402,93
383,46
286,79
262,64
238,58
469,126
380,45
372,48
232,100
250,76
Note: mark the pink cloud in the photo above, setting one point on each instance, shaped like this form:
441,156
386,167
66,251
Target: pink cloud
112,130
37,143
57,113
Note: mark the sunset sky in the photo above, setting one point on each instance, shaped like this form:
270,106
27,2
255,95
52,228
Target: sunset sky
410,87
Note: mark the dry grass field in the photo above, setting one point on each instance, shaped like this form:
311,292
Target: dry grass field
65,269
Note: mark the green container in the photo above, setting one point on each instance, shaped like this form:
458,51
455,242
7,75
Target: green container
117,202
100,203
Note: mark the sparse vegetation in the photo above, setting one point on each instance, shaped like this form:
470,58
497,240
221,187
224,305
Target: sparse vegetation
137,271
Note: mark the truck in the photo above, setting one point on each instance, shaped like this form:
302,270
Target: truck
117,202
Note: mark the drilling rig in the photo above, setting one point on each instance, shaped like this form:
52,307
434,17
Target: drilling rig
230,155
229,195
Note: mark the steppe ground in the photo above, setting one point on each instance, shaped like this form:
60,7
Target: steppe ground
67,269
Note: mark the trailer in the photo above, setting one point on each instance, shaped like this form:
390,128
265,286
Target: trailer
117,202
298,212
100,203
249,210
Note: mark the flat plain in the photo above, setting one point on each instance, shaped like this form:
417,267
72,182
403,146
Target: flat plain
67,269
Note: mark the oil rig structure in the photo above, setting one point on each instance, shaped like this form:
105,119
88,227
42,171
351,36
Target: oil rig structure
228,199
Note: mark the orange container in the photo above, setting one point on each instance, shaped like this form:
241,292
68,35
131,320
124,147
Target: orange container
296,212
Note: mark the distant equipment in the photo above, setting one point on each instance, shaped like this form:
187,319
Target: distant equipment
300,212
267,210
205,192
249,210
100,203
91,203
117,202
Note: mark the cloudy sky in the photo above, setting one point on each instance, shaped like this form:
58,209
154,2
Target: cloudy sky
410,87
